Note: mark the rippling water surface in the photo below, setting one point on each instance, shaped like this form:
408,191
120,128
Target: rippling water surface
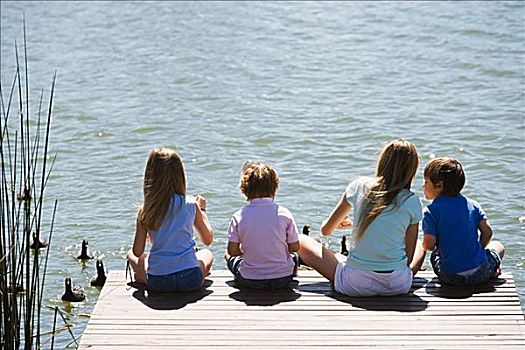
315,89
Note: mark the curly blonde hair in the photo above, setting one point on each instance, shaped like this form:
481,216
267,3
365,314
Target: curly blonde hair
258,180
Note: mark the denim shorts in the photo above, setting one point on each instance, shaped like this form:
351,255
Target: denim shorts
180,281
481,275
233,264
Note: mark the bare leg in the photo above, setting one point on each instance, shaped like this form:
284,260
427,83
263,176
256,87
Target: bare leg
418,259
205,258
498,247
139,266
318,257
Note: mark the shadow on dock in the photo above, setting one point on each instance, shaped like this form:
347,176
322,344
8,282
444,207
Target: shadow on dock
169,301
435,288
255,297
401,303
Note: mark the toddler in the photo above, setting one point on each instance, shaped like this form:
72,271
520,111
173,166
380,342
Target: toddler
262,234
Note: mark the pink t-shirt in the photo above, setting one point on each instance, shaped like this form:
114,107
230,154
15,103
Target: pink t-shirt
264,230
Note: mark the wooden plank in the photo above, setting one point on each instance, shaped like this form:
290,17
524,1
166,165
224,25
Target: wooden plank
309,316
310,347
276,341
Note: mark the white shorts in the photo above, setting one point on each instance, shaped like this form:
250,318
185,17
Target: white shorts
353,282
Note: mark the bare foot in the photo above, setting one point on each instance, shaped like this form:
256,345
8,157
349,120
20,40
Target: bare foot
496,273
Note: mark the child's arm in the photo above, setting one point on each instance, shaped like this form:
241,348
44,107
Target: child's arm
202,224
293,247
337,216
139,243
234,249
486,232
429,241
410,241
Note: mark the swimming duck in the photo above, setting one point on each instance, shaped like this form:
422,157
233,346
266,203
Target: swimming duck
73,294
306,230
85,254
100,278
18,288
37,243
344,251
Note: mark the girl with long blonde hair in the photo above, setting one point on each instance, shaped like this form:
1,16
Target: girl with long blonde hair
386,216
168,216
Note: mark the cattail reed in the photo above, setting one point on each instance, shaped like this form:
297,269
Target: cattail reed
23,177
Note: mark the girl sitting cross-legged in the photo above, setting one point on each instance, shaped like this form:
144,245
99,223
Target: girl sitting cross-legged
168,217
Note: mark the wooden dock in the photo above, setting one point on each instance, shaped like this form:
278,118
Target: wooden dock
310,316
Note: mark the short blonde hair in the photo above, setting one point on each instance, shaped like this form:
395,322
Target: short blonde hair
258,180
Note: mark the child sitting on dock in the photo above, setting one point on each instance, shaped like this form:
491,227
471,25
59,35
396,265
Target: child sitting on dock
450,225
386,219
262,234
168,216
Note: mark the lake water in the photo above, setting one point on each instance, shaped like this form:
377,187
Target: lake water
313,88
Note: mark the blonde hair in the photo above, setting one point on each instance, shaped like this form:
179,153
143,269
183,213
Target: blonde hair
163,177
258,180
396,168
448,172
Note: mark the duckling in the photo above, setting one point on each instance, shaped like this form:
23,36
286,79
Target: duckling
73,294
344,251
100,278
17,289
37,243
306,230
85,254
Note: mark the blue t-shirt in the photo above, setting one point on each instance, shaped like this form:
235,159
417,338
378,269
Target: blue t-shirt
454,222
382,246
173,246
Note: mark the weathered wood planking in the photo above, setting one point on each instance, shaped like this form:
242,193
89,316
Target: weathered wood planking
310,316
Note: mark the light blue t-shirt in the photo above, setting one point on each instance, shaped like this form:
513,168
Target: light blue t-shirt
454,222
382,246
173,246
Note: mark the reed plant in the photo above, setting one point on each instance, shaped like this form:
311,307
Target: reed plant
24,173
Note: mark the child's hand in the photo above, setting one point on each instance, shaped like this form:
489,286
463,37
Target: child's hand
345,223
201,202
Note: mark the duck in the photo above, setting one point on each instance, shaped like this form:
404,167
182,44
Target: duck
85,254
37,243
73,294
17,289
344,251
306,230
100,278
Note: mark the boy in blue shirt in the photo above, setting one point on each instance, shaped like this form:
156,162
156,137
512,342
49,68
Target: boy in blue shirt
450,225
